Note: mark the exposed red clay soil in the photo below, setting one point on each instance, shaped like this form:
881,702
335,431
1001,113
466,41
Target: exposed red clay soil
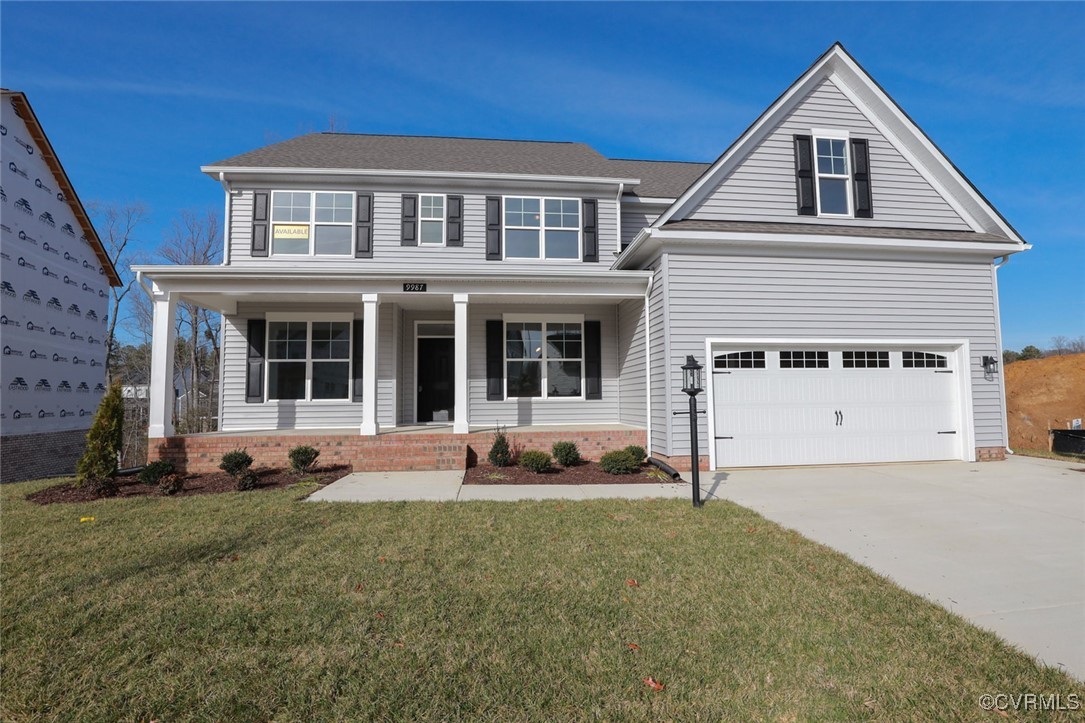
1043,394
588,473
195,484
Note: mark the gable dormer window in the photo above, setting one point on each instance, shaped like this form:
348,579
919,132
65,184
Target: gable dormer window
834,180
305,223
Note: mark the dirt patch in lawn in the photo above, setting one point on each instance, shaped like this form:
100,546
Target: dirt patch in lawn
588,473
128,485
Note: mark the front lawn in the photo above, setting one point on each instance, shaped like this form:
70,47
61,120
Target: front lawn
254,606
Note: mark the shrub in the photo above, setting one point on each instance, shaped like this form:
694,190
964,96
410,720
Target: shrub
566,454
500,454
535,460
98,465
636,452
246,481
302,459
170,483
236,463
153,472
619,462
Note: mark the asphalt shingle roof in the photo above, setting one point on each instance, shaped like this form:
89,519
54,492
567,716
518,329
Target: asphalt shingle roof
666,179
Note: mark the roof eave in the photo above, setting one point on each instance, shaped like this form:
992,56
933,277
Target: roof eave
248,171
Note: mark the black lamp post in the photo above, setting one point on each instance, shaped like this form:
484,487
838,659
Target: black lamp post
693,384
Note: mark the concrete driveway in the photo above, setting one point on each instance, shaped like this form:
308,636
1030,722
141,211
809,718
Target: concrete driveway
999,543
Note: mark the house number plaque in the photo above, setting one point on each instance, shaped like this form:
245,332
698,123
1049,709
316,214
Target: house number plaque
414,287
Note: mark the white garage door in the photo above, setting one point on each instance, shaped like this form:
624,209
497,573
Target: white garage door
800,405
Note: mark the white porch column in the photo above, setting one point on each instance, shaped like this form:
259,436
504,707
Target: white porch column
371,304
460,423
163,341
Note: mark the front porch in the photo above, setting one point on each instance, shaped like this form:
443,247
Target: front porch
411,448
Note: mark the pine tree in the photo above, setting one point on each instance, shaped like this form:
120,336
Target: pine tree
98,465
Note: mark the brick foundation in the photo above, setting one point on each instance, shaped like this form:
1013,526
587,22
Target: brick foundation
35,456
389,452
682,463
990,454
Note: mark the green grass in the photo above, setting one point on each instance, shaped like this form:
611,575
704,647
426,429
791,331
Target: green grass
254,606
1048,454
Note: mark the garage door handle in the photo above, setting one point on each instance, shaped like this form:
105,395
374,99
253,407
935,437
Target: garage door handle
839,417
953,432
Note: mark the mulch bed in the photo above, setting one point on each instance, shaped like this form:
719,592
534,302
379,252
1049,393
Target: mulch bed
587,473
194,484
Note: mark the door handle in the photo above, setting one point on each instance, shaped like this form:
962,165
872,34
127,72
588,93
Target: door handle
841,419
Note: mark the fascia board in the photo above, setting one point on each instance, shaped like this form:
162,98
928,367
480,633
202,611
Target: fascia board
228,171
413,272
984,248
647,200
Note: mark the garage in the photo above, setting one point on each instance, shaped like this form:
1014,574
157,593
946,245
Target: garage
853,402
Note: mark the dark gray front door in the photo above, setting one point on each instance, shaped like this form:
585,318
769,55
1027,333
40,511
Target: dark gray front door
436,387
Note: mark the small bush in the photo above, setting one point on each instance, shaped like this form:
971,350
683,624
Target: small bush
246,481
98,465
636,452
566,454
619,462
302,459
153,472
170,483
535,460
500,454
236,463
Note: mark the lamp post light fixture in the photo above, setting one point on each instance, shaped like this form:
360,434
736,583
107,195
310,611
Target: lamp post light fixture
693,384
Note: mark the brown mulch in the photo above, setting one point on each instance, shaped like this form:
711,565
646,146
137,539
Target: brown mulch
587,473
194,484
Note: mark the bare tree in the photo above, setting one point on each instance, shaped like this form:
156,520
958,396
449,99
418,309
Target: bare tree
118,225
194,240
1059,345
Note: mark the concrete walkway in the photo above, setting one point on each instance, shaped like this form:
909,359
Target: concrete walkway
999,543
448,486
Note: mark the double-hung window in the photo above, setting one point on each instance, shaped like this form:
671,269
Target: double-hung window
313,223
542,228
431,220
544,359
308,360
834,177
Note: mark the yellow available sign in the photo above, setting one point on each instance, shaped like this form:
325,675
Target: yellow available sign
295,231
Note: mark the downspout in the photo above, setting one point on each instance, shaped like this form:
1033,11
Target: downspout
648,363
618,206
226,218
1005,259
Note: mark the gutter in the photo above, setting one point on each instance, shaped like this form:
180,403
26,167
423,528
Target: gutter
466,175
1002,378
226,186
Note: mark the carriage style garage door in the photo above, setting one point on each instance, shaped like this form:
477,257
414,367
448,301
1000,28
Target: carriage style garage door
807,404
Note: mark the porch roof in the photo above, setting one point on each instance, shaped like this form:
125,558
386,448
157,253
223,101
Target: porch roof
222,287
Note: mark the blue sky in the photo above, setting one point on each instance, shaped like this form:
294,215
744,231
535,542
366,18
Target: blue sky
136,96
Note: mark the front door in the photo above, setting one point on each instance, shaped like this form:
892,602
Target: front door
436,387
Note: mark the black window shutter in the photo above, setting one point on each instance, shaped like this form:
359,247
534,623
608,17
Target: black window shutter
454,221
363,231
493,228
805,181
410,220
860,165
591,230
356,371
254,367
593,360
495,360
260,209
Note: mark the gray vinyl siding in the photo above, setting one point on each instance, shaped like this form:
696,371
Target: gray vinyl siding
636,216
632,383
762,187
657,311
387,251
519,412
713,296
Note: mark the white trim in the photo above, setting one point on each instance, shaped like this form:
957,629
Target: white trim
370,388
309,316
461,369
849,188
1001,363
313,223
542,316
253,170
443,220
648,363
647,200
960,348
543,228
161,391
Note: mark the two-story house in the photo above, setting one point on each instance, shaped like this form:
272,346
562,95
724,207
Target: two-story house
392,299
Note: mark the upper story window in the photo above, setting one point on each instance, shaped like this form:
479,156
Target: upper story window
318,223
834,180
432,220
542,228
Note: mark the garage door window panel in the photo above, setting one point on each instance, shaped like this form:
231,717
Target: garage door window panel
804,359
740,360
865,359
923,360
